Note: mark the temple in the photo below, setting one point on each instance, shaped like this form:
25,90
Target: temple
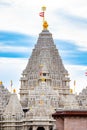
44,90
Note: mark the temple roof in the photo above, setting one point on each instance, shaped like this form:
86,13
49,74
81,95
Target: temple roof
4,96
45,52
14,107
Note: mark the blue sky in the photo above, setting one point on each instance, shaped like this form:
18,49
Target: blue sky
15,45
20,25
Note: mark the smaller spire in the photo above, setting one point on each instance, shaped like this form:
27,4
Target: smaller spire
13,109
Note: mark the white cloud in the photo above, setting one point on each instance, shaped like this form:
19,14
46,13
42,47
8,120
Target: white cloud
11,69
69,30
23,16
6,3
15,49
77,72
83,48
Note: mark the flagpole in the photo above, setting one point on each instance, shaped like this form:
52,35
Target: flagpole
42,14
44,9
11,83
86,73
74,85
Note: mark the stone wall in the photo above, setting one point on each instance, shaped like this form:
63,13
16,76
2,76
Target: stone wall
75,123
71,123
60,124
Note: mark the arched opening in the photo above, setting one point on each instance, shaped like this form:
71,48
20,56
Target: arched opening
40,128
30,128
51,128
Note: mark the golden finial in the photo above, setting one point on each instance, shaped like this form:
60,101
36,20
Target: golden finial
42,14
43,8
14,90
1,83
45,25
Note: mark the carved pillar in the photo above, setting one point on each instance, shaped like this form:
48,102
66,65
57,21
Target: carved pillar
46,127
26,128
34,128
